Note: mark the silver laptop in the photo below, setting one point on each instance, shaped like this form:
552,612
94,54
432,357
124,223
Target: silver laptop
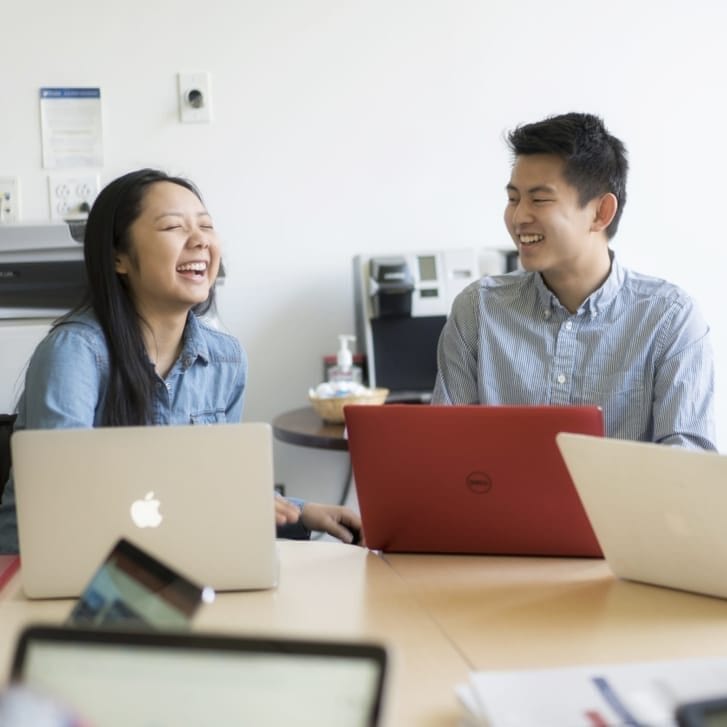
178,679
657,511
199,498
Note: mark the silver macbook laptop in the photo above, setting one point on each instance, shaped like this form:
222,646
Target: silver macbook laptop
657,511
176,679
199,498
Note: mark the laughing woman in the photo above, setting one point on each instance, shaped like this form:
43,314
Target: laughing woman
136,351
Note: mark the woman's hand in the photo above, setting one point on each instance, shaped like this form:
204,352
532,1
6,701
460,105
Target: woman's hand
341,522
286,512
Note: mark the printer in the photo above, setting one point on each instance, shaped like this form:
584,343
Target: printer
42,273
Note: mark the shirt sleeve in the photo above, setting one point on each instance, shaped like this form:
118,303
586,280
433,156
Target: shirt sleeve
683,406
294,531
62,383
457,360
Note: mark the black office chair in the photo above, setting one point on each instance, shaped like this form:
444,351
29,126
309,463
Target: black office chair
6,429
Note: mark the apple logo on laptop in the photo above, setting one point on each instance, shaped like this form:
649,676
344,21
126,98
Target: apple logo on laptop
145,513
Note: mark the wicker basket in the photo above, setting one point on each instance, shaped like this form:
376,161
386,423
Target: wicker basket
331,409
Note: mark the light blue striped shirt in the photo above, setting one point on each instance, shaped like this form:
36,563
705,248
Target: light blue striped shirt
638,347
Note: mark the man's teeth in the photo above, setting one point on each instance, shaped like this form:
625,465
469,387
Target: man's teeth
196,267
530,239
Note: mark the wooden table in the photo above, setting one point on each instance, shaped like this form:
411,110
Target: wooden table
442,616
508,612
328,591
305,428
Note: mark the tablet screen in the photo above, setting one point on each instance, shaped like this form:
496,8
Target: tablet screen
133,589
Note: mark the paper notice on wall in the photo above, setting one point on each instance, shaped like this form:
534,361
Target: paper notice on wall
70,120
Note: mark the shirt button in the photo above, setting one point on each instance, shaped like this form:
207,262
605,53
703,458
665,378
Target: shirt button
546,313
168,385
561,378
569,325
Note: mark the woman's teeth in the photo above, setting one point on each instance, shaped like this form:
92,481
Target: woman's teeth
195,267
530,239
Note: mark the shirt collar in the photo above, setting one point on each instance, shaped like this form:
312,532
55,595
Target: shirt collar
194,343
596,302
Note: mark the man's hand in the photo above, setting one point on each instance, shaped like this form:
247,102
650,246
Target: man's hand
341,522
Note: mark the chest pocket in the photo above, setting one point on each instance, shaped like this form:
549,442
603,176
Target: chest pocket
210,416
622,398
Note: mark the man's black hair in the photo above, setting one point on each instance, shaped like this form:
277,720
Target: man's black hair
595,161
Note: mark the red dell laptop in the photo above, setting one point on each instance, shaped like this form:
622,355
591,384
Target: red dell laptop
469,479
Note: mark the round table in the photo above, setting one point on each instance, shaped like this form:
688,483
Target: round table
306,429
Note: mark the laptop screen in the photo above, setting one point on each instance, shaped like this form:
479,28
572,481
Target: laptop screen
132,589
183,679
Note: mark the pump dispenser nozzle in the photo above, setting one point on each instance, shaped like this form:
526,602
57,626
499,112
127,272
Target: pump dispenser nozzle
344,377
344,357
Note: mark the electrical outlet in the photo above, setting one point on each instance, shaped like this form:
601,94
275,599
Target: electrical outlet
9,199
70,196
195,98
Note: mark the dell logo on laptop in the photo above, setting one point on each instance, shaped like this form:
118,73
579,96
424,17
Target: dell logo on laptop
479,482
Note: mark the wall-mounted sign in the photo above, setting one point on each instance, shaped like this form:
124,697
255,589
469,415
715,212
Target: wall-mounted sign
70,120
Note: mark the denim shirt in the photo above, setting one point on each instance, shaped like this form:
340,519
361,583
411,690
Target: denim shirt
68,375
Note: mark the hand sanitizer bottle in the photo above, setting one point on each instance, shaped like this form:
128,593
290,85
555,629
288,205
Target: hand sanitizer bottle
344,376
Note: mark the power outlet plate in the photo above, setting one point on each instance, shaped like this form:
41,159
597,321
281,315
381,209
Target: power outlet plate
9,200
195,98
70,196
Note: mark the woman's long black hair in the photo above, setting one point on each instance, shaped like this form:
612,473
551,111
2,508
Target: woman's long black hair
128,399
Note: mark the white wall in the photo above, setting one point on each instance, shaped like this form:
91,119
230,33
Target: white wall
345,127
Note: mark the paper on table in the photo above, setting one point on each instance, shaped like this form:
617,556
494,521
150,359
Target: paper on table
610,695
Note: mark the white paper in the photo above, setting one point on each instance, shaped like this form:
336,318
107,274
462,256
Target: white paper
71,129
644,693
